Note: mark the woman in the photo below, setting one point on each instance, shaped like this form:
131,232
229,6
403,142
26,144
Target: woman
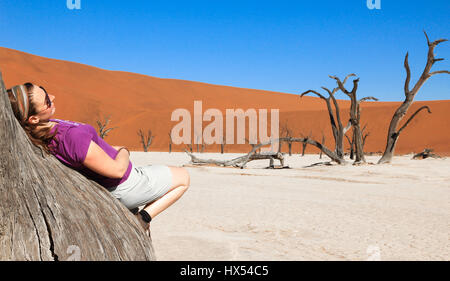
78,146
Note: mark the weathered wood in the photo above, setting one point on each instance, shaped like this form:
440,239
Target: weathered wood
50,212
400,112
146,140
355,117
102,130
426,153
241,161
337,129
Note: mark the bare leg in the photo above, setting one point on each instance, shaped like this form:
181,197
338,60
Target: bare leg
180,183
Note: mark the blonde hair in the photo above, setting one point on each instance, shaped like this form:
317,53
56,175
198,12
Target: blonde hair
39,133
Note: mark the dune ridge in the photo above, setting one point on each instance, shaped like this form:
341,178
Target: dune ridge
134,101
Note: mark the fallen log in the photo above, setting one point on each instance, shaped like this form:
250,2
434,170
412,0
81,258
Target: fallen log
240,162
426,153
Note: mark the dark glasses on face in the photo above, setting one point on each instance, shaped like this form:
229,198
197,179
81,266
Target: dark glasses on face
48,102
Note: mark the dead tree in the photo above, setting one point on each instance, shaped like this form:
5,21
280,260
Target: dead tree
203,147
253,145
146,140
102,130
336,124
170,142
393,133
323,143
49,212
426,153
198,137
304,144
287,133
189,146
355,117
365,135
241,162
222,145
352,146
331,154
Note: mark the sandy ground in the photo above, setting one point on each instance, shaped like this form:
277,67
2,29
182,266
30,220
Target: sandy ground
398,211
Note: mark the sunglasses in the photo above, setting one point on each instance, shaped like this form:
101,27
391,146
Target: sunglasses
48,102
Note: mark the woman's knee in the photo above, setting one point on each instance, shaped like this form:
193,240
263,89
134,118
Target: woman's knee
180,177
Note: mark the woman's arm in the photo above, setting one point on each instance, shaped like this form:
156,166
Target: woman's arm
98,161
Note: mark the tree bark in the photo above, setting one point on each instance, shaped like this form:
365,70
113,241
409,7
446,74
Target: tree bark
241,161
355,117
337,129
49,212
393,134
146,140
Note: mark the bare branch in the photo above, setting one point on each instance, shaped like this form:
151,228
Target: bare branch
363,129
349,141
440,72
412,116
408,74
428,40
367,98
103,132
349,125
314,92
434,43
146,140
400,112
340,85
329,92
348,76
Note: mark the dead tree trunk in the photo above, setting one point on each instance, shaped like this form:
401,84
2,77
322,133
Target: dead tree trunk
426,153
286,132
170,142
304,143
102,130
331,154
222,145
352,147
146,140
323,142
401,111
337,129
355,117
50,212
365,135
241,161
252,155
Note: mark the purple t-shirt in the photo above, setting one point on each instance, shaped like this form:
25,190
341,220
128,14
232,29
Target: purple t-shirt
74,139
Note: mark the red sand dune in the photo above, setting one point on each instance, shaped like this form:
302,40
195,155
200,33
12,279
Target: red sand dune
86,94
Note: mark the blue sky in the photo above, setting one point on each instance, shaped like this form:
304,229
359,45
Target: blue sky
286,46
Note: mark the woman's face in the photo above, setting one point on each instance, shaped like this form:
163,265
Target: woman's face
39,99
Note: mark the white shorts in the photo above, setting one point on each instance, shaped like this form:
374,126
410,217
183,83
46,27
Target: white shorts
144,185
